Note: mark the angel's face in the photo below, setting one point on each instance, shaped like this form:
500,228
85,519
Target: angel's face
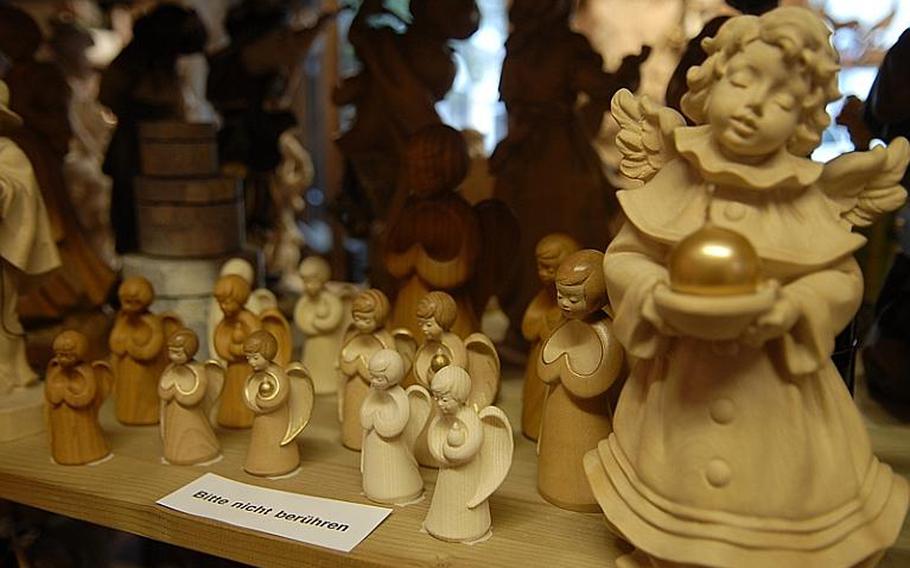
177,354
756,105
571,300
66,358
364,322
430,328
257,361
379,380
447,403
229,306
546,270
132,303
312,284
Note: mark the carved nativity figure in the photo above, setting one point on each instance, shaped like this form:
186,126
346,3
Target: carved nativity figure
735,442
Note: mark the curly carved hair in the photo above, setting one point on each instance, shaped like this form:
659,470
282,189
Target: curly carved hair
439,306
805,42
372,302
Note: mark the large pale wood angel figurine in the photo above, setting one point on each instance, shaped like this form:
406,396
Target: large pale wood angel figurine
260,299
391,419
438,241
735,441
580,362
189,394
232,293
281,399
367,336
74,391
319,314
26,246
138,352
540,319
474,450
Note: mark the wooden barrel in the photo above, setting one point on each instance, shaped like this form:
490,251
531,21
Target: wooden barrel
175,149
190,218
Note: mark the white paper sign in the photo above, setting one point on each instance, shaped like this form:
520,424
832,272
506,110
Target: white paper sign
338,525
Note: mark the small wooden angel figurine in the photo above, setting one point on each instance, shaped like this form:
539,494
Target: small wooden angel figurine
579,362
232,293
436,315
735,441
138,354
281,401
474,450
189,392
391,419
260,299
74,391
540,318
319,314
370,311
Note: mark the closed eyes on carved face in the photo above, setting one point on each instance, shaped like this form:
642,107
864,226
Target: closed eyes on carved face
754,109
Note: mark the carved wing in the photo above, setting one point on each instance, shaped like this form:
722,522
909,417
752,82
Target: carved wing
300,403
500,236
274,322
495,454
484,368
214,380
865,185
104,374
644,135
406,346
420,402
260,300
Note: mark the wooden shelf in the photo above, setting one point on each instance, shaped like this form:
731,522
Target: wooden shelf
527,531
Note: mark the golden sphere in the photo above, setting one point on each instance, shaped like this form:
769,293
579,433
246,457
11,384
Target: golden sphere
439,361
714,261
266,388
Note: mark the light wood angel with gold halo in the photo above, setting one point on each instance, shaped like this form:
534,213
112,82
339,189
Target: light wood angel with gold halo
232,293
281,400
474,452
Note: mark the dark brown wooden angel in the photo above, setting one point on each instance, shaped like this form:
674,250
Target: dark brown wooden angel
439,241
546,168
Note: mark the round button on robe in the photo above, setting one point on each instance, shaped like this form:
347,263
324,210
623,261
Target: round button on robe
718,473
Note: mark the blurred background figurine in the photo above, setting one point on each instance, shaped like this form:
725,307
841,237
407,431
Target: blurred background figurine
546,168
143,84
40,95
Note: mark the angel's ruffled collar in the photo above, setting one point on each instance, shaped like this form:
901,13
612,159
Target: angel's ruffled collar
782,171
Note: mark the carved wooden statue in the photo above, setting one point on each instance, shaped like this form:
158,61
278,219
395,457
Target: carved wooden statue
403,76
40,95
26,246
74,391
580,361
548,70
541,318
370,312
189,394
138,352
474,450
260,299
319,314
440,242
391,419
735,441
281,399
232,293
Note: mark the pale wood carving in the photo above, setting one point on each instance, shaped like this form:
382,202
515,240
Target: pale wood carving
735,441
281,400
189,394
